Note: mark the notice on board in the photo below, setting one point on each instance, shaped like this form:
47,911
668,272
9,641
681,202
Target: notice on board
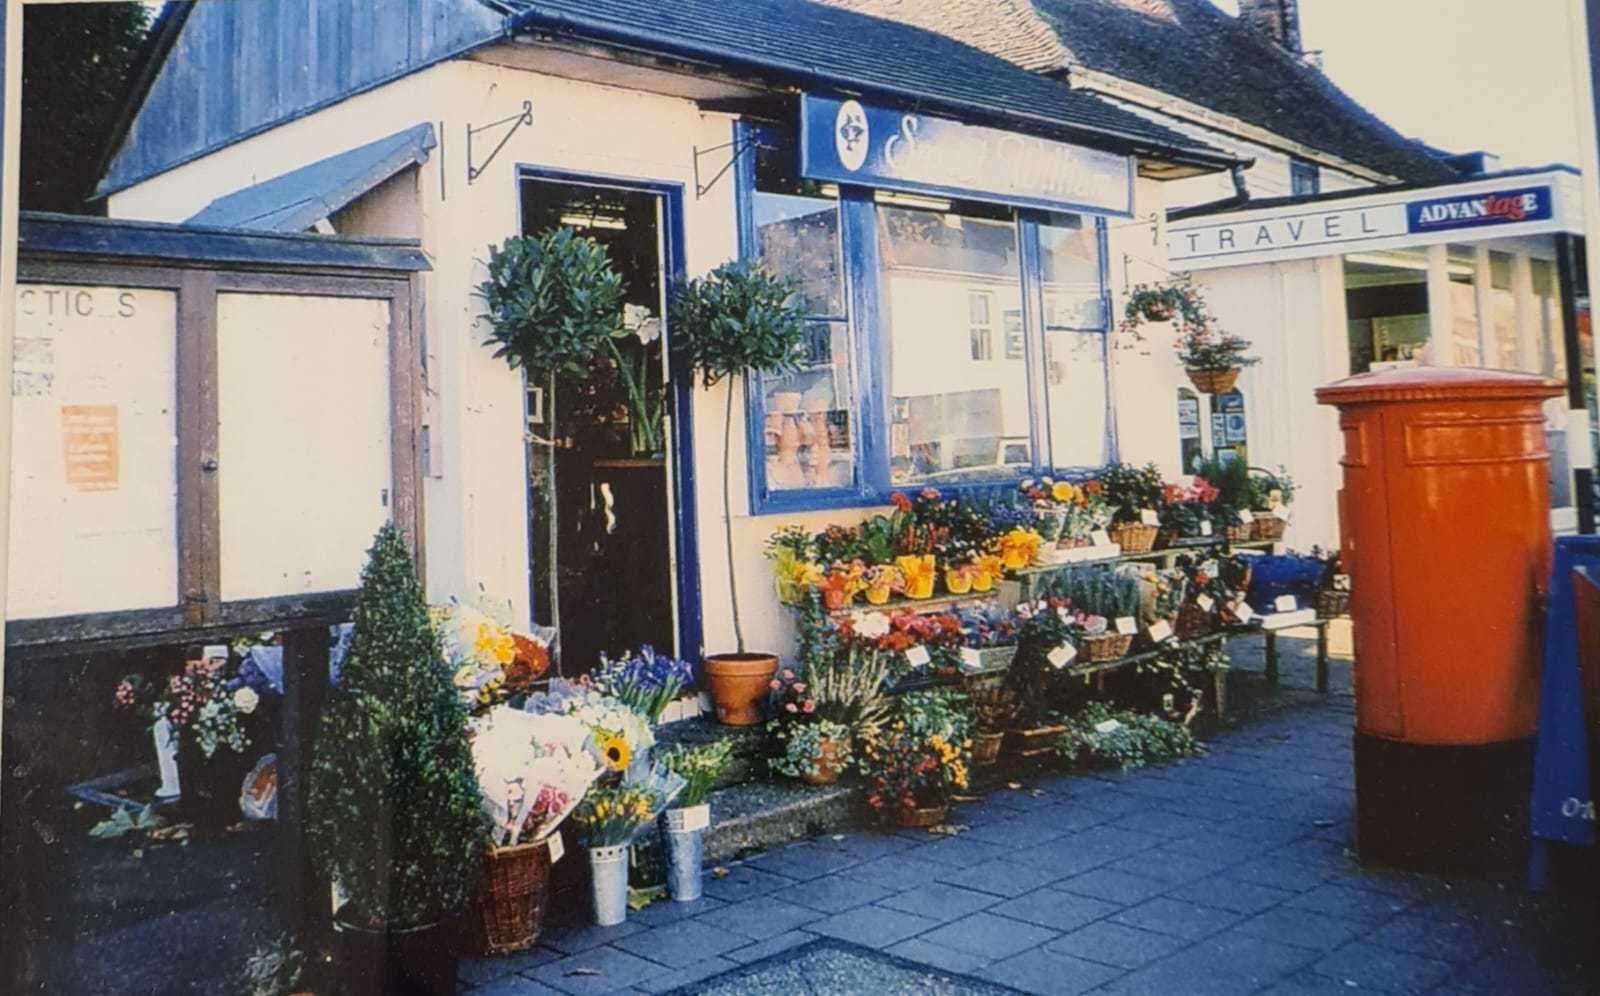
91,447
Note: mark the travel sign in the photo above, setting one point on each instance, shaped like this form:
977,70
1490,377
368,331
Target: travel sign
845,141
1297,231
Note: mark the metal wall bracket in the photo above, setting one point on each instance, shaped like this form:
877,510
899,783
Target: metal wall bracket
739,148
475,170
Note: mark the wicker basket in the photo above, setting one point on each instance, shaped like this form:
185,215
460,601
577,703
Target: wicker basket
1269,526
1332,603
1213,381
1134,537
1106,646
508,911
1193,621
1240,533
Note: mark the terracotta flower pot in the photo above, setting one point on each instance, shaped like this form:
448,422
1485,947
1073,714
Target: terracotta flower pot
921,816
738,684
830,761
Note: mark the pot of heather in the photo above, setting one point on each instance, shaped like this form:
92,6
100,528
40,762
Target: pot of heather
394,814
737,320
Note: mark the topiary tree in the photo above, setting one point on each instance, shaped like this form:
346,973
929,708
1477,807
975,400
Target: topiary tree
394,814
552,302
737,319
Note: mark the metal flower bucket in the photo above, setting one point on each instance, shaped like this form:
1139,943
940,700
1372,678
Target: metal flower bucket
608,868
683,840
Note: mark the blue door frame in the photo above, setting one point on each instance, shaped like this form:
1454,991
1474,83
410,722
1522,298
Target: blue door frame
680,382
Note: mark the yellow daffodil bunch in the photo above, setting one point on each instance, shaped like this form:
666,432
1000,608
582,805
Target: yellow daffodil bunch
611,815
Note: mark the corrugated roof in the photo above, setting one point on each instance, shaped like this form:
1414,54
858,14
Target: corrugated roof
298,200
816,46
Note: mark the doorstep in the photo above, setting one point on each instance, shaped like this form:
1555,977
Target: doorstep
757,816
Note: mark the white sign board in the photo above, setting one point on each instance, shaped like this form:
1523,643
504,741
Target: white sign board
94,519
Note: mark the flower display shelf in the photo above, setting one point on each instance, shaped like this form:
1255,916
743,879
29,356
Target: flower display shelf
1023,583
921,606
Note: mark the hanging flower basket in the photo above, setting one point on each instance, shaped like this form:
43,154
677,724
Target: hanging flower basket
1213,381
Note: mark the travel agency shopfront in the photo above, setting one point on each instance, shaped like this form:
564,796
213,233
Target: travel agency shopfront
1486,272
949,219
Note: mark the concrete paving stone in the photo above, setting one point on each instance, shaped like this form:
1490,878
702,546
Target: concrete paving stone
1155,788
1003,878
868,846
515,985
1113,886
686,976
1368,965
1049,973
1303,928
760,918
833,894
1523,974
769,947
680,944
939,901
1267,830
1021,832
1212,808
743,882
1176,917
1116,945
1026,799
1167,864
1417,889
1307,983
804,861
600,970
938,956
1353,904
1282,873
959,852
1171,977
665,911
899,872
873,926
1215,844
1225,892
1454,941
1163,823
989,936
477,971
573,939
1057,910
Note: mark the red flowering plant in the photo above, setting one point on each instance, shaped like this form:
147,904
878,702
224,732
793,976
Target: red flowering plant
895,634
1186,506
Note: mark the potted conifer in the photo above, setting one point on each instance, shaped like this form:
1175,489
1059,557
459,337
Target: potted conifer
394,815
737,320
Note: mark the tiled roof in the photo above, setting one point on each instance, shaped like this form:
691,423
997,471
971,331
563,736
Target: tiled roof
811,45
1183,48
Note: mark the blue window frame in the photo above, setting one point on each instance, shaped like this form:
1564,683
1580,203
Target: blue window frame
999,285
1305,179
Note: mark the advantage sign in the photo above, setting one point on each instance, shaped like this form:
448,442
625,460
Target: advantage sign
846,141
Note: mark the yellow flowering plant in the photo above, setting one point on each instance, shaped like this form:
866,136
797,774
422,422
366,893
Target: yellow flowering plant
908,769
612,815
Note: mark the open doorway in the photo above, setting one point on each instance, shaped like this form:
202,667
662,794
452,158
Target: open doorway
600,495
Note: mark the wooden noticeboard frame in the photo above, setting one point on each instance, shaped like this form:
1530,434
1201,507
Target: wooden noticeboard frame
386,272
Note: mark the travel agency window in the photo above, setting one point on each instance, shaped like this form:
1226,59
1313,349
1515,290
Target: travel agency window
958,335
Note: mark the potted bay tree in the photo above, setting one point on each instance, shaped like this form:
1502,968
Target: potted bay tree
737,320
394,815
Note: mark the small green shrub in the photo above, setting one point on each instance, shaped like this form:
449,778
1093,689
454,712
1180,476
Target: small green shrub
1135,740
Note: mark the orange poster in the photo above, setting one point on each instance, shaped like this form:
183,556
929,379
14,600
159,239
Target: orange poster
90,445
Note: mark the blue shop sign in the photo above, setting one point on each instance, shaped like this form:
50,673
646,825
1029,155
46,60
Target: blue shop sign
1500,207
845,141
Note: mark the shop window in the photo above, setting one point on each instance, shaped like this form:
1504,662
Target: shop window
1500,331
1075,312
1230,430
936,357
1191,447
1305,179
1463,270
808,416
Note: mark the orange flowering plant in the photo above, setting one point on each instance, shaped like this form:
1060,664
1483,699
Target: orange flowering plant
910,770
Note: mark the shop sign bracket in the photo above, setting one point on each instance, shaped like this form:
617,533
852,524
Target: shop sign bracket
739,148
475,170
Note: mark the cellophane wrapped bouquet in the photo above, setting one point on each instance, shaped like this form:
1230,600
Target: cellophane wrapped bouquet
533,770
620,736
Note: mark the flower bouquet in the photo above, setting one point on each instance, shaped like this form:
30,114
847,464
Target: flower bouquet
490,663
911,776
989,639
644,680
1017,548
619,736
683,825
841,584
608,820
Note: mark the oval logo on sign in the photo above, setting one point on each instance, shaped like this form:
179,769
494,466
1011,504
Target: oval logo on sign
850,135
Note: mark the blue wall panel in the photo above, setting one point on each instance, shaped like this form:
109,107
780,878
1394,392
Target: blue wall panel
241,66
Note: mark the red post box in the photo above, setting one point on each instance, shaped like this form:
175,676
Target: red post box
1445,527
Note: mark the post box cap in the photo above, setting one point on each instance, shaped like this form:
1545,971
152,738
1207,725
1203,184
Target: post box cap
1436,384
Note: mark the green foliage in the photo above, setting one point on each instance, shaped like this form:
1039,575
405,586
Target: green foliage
1231,478
1131,489
1123,738
737,319
700,767
1096,590
394,814
1176,302
802,748
276,968
77,66
125,821
943,711
1264,483
553,303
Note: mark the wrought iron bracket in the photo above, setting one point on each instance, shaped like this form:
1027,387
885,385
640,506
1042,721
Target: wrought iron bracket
475,170
739,148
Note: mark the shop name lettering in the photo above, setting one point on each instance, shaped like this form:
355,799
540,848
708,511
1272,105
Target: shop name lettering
1333,227
75,302
955,157
1505,207
1578,809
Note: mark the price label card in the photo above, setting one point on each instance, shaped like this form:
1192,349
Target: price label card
1205,602
1149,517
917,656
1286,603
1281,511
696,817
971,659
1244,612
1160,630
1062,656
1205,527
557,848
216,650
1126,625
1108,726
1100,538
1245,518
